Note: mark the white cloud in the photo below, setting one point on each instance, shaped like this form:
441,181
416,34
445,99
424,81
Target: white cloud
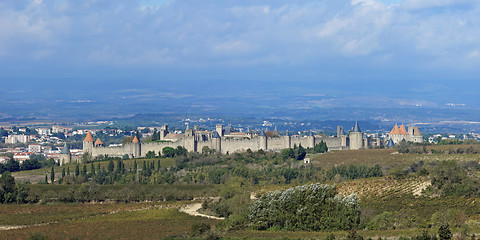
242,33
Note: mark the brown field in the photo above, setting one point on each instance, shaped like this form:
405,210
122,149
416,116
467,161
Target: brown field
103,221
387,158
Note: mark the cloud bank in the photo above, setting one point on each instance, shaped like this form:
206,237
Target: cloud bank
339,39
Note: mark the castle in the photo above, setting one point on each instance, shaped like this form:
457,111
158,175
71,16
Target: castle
399,134
224,142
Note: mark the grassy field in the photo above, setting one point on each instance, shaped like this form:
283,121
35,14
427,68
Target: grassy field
401,198
109,221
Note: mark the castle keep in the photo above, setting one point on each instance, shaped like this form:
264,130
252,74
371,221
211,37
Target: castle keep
226,141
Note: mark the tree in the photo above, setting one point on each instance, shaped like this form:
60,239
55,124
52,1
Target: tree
68,171
30,164
181,151
168,152
77,170
288,153
84,171
111,166
321,147
150,154
12,165
92,169
444,232
301,153
63,172
135,166
46,179
7,187
86,157
52,175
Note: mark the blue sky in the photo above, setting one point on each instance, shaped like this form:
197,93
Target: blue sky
394,47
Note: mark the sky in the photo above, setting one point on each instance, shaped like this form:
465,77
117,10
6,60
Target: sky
388,48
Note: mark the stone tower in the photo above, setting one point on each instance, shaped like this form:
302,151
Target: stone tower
263,140
190,140
220,130
288,140
65,156
311,140
216,142
163,131
339,131
136,147
356,138
88,144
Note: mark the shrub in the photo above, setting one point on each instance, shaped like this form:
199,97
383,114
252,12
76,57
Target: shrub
313,207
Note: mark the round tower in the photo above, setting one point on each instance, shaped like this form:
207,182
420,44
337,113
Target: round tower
136,147
88,144
65,156
356,138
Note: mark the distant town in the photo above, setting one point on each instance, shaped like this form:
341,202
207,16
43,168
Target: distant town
21,142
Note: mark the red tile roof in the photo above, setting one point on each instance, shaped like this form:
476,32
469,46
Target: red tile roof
88,138
98,142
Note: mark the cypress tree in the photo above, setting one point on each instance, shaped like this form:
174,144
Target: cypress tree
63,172
144,166
158,165
98,167
46,179
52,175
111,166
92,171
68,171
84,172
77,170
135,167
119,166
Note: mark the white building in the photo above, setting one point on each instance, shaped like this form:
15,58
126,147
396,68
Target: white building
35,148
12,139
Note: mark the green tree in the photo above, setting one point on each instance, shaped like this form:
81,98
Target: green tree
68,171
46,179
111,166
77,170
444,232
150,154
52,175
181,151
92,169
301,153
84,171
288,153
7,187
63,172
135,166
168,152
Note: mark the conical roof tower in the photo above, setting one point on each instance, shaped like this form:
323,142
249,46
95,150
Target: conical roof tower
356,128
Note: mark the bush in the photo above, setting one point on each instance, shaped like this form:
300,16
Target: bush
313,207
199,229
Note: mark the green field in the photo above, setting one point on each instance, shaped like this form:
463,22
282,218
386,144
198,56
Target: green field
391,206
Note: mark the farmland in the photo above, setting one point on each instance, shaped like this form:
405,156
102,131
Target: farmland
402,202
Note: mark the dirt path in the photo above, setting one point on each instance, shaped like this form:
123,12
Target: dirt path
192,209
